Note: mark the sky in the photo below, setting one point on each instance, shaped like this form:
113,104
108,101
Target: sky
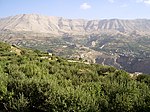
76,9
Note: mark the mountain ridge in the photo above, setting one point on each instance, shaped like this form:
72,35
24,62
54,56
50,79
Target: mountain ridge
59,25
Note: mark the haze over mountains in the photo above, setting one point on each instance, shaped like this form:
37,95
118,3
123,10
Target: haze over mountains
59,25
124,44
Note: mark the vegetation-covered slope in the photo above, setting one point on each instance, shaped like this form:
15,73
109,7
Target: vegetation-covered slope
128,52
36,81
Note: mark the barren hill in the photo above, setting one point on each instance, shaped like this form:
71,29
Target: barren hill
58,25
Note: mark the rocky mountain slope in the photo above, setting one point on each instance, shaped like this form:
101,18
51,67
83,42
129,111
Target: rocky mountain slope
59,25
124,44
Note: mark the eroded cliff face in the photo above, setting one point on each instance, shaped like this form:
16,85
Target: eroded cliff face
129,64
59,26
133,64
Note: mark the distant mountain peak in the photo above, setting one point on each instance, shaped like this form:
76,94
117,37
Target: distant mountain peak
58,25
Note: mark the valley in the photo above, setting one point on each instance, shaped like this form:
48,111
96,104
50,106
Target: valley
119,43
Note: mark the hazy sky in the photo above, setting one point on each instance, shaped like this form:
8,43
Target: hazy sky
87,9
